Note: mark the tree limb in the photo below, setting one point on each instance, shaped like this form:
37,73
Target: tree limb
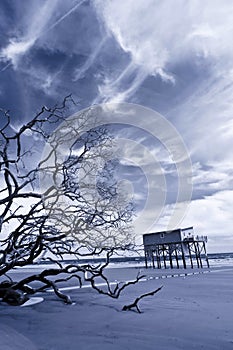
135,303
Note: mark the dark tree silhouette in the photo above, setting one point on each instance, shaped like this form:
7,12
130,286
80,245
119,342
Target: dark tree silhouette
59,198
53,207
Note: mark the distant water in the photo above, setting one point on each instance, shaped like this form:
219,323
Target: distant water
215,260
221,259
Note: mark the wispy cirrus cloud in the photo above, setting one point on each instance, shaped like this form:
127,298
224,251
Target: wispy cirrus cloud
33,28
36,25
158,35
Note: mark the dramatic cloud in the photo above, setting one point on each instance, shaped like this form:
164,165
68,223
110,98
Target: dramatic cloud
173,56
159,35
211,216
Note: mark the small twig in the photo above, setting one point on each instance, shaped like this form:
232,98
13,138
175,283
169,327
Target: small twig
135,303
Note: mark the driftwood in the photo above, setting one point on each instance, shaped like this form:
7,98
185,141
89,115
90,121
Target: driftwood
135,303
12,296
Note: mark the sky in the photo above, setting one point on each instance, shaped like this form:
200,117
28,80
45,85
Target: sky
174,57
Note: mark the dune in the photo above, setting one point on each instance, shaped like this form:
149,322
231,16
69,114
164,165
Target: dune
192,311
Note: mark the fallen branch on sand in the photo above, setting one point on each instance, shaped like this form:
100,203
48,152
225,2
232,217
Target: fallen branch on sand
135,303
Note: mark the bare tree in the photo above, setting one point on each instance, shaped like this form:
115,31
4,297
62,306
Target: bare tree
59,204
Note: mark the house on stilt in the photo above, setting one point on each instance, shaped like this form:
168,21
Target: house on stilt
175,248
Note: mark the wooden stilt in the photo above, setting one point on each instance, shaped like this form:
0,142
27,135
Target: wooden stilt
164,258
177,259
190,255
196,254
153,261
199,254
170,255
206,257
158,258
146,258
183,256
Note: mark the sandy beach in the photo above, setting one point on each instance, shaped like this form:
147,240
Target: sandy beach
192,311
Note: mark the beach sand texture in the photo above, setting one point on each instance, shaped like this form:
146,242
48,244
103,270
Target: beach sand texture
190,312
